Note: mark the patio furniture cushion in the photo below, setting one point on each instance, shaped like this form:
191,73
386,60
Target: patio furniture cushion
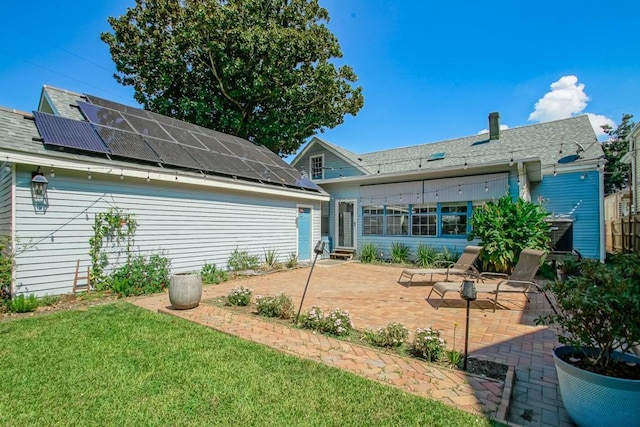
462,267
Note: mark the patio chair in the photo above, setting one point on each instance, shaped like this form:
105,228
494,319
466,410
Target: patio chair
462,267
522,279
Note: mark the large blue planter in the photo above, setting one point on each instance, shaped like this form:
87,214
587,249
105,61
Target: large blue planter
594,400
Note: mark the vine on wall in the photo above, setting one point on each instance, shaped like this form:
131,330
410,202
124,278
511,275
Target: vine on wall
113,234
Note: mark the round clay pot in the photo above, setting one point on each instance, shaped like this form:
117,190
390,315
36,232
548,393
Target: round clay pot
185,290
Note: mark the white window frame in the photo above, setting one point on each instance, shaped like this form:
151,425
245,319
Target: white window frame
311,166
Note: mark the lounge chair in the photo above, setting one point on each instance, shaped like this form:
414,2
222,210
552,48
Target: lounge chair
462,267
520,280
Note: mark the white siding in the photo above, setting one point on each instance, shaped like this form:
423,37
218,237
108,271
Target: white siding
190,226
5,199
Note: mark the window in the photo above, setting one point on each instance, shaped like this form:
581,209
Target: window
373,220
453,219
316,166
324,218
397,220
424,220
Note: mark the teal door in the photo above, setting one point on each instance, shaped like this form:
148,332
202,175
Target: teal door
304,233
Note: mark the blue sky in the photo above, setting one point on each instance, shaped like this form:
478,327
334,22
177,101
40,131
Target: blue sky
430,71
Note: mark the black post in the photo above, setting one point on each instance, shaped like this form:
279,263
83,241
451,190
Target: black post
468,293
466,339
319,248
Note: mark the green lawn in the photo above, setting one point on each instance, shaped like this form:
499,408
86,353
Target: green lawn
118,364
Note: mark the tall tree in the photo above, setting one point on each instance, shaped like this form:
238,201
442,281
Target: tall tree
258,69
616,175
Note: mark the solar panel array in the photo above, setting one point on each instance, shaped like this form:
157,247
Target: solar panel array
132,133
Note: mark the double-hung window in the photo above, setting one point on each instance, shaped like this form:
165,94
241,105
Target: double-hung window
397,220
373,220
424,220
316,166
453,217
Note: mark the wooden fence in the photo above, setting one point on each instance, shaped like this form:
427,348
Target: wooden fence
622,235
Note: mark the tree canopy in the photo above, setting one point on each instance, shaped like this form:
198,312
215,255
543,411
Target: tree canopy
616,172
258,69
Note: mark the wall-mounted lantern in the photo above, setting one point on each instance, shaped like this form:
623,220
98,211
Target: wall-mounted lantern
39,186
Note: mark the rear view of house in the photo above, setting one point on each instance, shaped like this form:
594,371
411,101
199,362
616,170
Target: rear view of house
426,194
197,194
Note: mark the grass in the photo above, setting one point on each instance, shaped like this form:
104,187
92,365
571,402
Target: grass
117,364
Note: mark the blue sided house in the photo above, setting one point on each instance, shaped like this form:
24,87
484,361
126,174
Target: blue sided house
426,193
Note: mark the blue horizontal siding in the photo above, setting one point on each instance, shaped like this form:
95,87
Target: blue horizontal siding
579,198
336,166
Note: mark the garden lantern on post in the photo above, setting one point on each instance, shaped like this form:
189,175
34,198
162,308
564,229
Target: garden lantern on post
467,293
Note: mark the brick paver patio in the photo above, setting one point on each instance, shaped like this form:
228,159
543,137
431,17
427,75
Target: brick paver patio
374,298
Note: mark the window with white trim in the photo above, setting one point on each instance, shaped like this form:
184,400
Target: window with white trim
316,166
424,220
453,218
397,220
373,220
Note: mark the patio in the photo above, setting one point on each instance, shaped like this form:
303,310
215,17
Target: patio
374,298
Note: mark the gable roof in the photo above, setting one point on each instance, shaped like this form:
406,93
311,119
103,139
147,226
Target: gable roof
563,141
21,141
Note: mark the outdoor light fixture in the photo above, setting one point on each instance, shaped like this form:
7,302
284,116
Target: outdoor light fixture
38,186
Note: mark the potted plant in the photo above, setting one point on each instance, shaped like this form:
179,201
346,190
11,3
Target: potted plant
185,290
598,321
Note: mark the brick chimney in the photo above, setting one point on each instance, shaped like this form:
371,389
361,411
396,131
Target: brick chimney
494,126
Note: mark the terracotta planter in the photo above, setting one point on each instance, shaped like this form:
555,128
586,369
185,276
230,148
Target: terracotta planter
597,400
185,290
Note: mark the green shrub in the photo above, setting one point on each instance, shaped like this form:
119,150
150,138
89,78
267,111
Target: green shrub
393,335
400,252
22,304
426,255
368,253
505,228
239,296
6,268
280,306
271,258
598,306
428,344
452,357
292,261
141,275
312,319
48,300
241,261
212,275
337,322
448,256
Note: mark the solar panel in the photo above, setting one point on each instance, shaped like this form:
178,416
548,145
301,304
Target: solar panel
212,144
213,162
164,120
127,144
183,136
147,127
104,116
173,153
68,133
117,106
144,135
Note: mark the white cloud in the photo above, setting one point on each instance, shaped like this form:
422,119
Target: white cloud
502,127
597,121
567,98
